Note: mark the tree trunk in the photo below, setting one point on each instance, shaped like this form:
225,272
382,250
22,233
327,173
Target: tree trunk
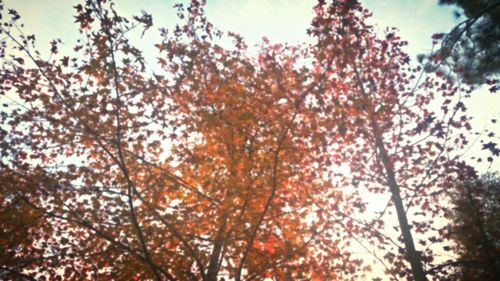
412,254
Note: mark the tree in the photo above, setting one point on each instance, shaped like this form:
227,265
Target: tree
476,228
21,227
470,50
393,141
205,170
222,164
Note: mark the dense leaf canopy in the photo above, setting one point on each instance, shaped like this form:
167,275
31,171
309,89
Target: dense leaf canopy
220,163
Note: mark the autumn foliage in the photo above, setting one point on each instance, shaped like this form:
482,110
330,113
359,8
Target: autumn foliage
219,164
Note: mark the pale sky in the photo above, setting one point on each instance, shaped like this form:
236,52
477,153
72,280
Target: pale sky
280,20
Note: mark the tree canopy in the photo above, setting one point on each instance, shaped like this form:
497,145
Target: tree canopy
475,228
470,51
222,164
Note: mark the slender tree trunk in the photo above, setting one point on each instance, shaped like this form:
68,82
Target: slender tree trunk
412,254
213,265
